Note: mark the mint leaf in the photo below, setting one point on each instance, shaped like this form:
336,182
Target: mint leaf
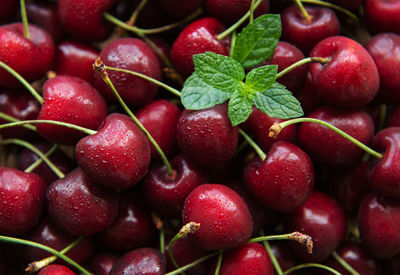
257,42
239,107
197,94
261,78
278,102
219,71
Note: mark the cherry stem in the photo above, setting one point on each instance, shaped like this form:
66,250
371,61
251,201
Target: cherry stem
301,238
233,42
101,69
271,255
159,225
7,239
54,122
157,50
219,261
24,19
251,11
150,79
343,263
297,267
332,6
236,25
276,128
299,63
192,264
255,146
382,116
37,265
28,86
136,12
13,119
34,165
306,16
36,151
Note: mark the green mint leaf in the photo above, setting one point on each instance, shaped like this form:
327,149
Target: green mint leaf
197,94
219,71
257,42
278,102
239,107
261,78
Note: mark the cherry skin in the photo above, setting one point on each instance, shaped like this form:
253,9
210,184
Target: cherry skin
383,15
135,55
22,196
76,59
55,269
225,220
73,100
101,264
305,34
31,58
278,190
308,96
166,194
379,223
350,79
180,8
140,261
249,259
322,218
207,136
80,206
198,37
117,156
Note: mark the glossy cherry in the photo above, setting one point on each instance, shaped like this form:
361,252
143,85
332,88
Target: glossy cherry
383,15
55,269
101,264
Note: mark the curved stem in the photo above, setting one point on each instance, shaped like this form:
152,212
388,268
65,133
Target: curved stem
332,6
34,165
300,63
301,238
276,128
46,248
59,123
303,11
232,28
219,261
13,119
297,267
36,151
192,264
28,86
271,255
24,19
255,146
343,263
136,12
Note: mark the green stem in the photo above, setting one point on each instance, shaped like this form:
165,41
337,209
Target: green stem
271,238
34,165
256,148
162,240
192,264
297,267
276,128
382,116
36,151
135,14
152,80
170,254
54,122
332,6
219,261
28,86
343,263
303,11
300,63
251,11
13,119
232,28
24,19
271,255
46,248
233,41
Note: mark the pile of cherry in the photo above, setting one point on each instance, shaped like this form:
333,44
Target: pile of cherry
105,190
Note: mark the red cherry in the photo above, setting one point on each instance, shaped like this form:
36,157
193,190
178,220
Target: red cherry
55,269
101,264
383,15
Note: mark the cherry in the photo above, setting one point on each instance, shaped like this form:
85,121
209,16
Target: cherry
22,196
379,223
180,8
249,259
198,37
117,156
135,55
80,206
31,58
75,59
350,79
328,147
207,136
382,15
308,96
140,261
322,218
278,190
73,100
101,264
283,254
8,9
225,220
165,193
55,269
305,33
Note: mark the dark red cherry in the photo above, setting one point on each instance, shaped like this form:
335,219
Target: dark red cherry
308,96
118,155
379,223
350,79
329,148
167,193
101,264
306,33
8,9
146,261
283,254
284,180
79,205
225,220
76,59
383,15
73,100
322,218
251,259
180,8
22,196
55,269
207,136
198,37
31,58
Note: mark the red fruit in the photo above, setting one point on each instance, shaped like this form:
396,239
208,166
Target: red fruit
55,269
383,15
101,264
